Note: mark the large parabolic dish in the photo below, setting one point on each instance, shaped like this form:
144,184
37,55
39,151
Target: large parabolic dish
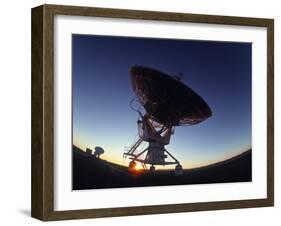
166,99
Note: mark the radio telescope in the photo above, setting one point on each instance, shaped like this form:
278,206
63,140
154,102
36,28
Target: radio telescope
166,103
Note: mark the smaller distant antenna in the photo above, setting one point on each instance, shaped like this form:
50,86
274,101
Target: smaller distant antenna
98,151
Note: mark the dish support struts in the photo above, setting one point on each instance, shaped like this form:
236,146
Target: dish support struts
157,136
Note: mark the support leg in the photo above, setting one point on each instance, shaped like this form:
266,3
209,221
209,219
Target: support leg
171,156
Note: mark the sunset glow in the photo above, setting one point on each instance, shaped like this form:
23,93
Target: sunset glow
219,71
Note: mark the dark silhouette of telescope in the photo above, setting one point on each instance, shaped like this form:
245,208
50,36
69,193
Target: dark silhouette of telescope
167,103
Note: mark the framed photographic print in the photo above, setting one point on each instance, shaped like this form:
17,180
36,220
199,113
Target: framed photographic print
141,112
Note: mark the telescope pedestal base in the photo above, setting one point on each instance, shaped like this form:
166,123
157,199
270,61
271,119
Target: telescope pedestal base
153,157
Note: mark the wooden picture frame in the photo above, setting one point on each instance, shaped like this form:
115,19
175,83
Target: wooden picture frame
42,203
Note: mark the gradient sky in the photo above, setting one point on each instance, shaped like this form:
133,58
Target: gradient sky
220,72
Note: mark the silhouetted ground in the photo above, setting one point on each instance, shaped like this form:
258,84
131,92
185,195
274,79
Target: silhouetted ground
90,172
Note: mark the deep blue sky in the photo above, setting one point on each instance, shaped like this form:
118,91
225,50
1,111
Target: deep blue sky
220,72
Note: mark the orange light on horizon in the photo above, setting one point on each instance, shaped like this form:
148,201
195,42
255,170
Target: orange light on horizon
135,168
139,167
